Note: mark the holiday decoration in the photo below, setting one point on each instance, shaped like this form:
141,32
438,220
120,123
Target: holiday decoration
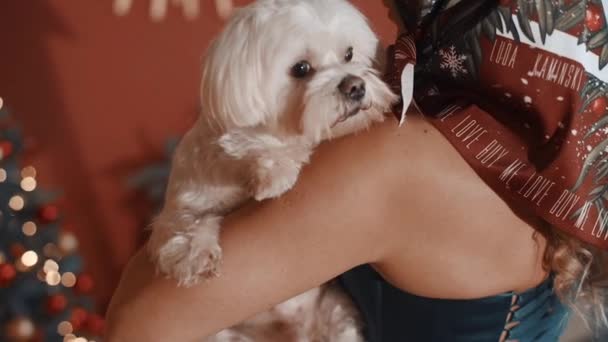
452,61
44,295
594,99
152,179
56,303
598,106
224,8
5,149
78,318
584,19
95,324
158,8
7,274
594,20
48,213
19,329
84,283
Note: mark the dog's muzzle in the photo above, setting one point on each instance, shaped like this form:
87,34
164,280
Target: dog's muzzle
353,87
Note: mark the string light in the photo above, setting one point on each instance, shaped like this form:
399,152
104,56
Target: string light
158,8
1,102
16,203
3,175
28,184
64,328
68,279
67,242
53,278
29,258
69,338
2,258
20,266
28,171
20,329
26,327
29,228
50,266
50,250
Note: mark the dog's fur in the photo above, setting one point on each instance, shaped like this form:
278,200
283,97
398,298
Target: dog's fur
259,125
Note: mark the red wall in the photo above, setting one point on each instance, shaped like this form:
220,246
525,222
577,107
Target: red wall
98,95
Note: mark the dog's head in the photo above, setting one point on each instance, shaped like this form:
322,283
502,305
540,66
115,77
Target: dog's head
296,66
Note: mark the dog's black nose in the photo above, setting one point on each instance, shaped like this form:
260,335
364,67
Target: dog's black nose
352,87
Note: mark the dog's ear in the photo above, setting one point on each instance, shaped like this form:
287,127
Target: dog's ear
231,86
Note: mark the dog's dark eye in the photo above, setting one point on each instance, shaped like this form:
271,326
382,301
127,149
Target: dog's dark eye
349,54
301,69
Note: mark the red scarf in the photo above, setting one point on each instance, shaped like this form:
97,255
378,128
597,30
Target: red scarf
526,106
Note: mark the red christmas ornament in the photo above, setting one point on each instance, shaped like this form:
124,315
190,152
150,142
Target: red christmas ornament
84,283
95,324
38,336
78,318
594,20
7,274
17,250
48,213
6,148
56,303
598,106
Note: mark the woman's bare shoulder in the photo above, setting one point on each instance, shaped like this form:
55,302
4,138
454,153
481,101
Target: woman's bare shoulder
450,234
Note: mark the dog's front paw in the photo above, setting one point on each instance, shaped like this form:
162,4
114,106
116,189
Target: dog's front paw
273,177
343,327
239,144
349,334
192,255
229,335
180,259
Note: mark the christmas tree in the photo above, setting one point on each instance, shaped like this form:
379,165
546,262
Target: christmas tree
152,179
44,295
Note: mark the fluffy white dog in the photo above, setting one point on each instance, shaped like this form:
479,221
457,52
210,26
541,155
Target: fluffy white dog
283,76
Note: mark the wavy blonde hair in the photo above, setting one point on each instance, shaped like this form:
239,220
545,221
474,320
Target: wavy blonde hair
580,275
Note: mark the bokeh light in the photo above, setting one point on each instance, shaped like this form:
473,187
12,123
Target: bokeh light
53,278
28,184
16,203
29,228
29,258
68,279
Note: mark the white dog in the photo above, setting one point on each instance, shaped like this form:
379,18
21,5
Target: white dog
283,76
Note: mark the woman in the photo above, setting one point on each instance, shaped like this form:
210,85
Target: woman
476,221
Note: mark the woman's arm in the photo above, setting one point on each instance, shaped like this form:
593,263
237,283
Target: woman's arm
330,222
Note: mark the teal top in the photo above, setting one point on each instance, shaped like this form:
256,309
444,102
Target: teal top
392,315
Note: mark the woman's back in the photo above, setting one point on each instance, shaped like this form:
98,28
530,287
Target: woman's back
463,241
462,266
